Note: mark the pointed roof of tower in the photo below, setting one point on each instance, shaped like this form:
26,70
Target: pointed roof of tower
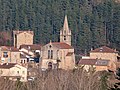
65,26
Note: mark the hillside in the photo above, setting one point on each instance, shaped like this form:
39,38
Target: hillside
93,22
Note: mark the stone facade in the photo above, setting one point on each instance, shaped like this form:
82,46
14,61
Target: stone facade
105,53
9,55
55,54
13,71
23,37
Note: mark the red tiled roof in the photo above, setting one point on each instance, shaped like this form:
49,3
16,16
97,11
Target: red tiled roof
7,65
88,61
69,53
9,48
18,32
104,49
62,45
24,53
32,47
4,48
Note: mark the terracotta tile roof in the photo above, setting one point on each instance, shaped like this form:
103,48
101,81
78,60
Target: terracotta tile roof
69,53
18,32
104,49
87,61
61,45
24,53
32,47
7,65
9,48
4,48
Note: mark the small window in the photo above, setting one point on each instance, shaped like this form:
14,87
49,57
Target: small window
51,54
5,54
21,61
18,72
24,61
50,46
48,54
64,37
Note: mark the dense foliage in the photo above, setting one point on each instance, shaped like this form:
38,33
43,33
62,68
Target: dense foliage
93,22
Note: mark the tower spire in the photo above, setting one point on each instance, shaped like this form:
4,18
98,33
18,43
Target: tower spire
65,26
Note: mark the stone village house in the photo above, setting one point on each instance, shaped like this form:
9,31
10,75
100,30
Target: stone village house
108,59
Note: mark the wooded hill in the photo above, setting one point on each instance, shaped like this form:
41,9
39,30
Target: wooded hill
93,22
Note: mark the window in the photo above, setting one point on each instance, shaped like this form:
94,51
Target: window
64,37
15,40
51,54
5,54
24,61
50,65
18,72
48,54
21,61
50,46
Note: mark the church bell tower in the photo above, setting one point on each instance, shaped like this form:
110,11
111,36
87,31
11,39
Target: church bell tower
65,33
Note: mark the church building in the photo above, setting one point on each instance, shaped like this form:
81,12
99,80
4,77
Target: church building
59,54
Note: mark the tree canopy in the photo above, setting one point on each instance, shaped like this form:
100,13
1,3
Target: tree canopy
93,22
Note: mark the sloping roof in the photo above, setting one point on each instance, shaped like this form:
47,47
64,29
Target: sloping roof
87,61
61,45
102,62
9,48
4,48
97,62
31,47
69,53
18,32
7,65
25,53
104,49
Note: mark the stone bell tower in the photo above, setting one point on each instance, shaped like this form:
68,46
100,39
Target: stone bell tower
65,33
